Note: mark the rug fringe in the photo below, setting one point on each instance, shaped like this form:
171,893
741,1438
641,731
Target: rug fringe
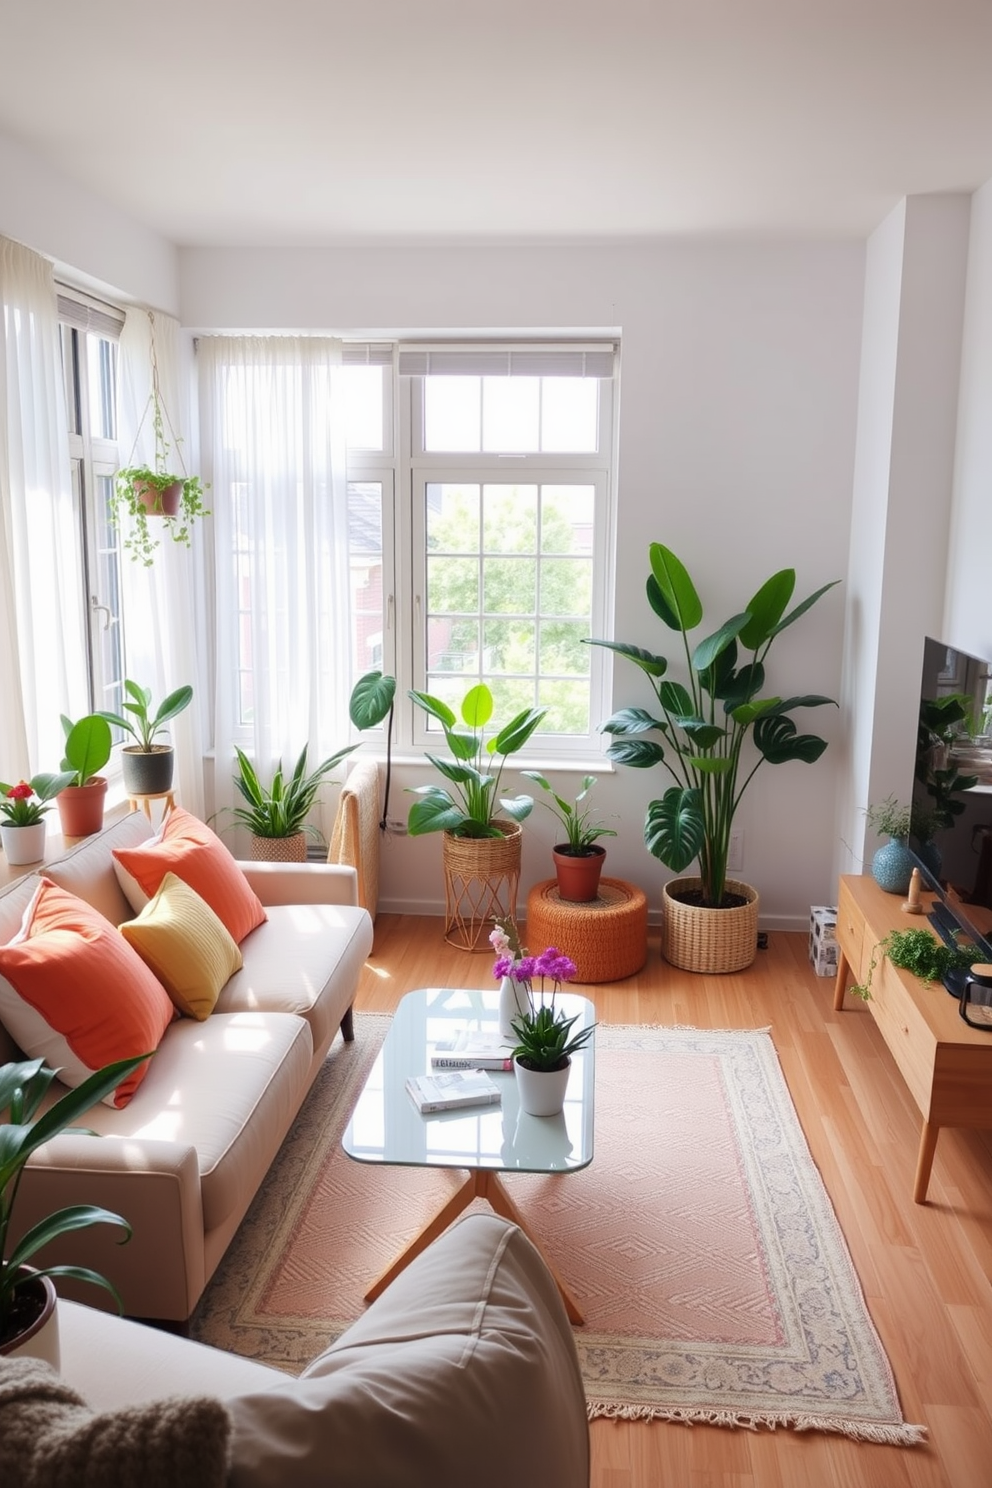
891,1435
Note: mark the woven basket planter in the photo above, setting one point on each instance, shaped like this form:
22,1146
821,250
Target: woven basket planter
710,940
481,878
280,849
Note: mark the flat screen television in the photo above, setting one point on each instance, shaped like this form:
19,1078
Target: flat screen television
951,836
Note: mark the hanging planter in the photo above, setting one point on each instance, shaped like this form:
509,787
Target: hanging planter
163,492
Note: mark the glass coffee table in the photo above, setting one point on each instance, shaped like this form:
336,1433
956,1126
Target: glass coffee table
386,1126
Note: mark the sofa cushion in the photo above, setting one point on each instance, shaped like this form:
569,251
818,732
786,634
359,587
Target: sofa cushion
188,848
87,870
74,993
468,1347
230,1088
49,1437
188,948
305,959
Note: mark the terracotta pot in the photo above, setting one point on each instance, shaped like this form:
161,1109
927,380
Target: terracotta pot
541,1092
148,772
280,849
39,1337
81,807
578,873
157,502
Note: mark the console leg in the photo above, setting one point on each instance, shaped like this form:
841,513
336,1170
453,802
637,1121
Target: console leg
924,1161
840,985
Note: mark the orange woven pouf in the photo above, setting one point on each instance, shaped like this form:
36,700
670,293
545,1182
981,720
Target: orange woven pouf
607,937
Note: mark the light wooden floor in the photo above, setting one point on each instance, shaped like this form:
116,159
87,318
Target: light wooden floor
926,1270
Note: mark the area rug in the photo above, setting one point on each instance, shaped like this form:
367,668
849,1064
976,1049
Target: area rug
700,1244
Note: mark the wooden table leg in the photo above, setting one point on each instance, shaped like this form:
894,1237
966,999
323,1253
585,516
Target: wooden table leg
480,1184
924,1161
840,985
493,1190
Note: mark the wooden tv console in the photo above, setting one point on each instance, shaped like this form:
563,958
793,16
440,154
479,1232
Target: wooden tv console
946,1065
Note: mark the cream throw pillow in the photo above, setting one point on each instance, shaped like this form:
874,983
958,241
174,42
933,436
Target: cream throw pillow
186,945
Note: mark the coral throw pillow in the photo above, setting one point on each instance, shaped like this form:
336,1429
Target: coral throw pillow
188,948
74,993
189,849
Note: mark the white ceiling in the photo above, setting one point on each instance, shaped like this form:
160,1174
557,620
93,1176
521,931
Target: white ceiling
313,121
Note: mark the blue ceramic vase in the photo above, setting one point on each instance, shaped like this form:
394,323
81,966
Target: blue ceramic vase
892,866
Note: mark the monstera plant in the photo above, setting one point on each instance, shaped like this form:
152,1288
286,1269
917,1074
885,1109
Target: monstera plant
701,725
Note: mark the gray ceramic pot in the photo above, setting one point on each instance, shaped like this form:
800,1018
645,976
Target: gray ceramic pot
148,772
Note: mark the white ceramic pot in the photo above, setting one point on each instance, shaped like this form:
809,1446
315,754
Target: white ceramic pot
541,1092
23,844
512,1004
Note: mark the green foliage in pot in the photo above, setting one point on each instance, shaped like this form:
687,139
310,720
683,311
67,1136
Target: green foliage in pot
130,488
581,831
87,746
281,808
143,725
23,1088
890,819
703,724
920,952
25,803
476,801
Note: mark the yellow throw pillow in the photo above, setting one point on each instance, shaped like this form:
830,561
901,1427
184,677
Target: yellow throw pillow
186,945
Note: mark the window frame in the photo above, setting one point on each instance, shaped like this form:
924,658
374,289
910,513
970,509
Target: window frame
425,466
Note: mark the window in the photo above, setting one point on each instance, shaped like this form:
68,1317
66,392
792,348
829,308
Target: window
89,334
510,453
496,563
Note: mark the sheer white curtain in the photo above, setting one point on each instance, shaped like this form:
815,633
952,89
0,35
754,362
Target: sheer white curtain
43,647
272,420
162,604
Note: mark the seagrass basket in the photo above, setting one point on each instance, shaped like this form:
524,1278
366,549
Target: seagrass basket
280,849
695,938
481,878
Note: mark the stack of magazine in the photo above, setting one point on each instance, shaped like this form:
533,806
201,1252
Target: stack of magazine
474,1049
448,1089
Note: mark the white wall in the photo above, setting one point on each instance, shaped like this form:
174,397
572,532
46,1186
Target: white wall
91,243
907,415
737,423
967,621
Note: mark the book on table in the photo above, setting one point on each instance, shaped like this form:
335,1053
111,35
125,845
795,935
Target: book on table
473,1048
448,1090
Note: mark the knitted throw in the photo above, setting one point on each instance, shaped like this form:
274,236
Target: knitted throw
49,1438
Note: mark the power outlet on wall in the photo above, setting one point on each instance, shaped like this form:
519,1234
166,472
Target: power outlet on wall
735,852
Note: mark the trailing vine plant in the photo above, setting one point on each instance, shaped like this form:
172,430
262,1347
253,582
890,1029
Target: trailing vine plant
920,952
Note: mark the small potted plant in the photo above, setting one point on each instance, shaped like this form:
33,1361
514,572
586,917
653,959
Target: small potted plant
578,860
87,750
276,814
545,1043
23,807
482,835
147,766
27,1296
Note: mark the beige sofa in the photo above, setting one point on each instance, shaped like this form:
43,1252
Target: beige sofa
463,1372
183,1161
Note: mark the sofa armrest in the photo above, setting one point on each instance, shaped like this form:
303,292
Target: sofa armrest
302,883
155,1186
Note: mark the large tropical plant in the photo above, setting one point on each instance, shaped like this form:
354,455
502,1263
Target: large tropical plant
23,1088
700,732
476,801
